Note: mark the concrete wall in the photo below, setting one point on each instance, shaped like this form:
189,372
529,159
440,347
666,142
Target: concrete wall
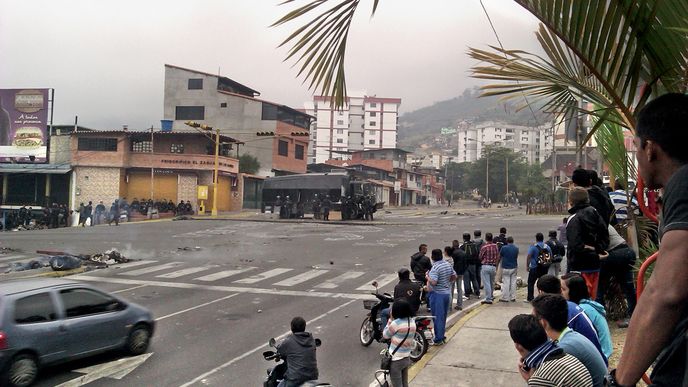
187,189
60,152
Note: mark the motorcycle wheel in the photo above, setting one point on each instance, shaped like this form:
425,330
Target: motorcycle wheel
366,333
420,346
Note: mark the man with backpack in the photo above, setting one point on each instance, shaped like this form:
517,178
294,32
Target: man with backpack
539,259
558,253
470,275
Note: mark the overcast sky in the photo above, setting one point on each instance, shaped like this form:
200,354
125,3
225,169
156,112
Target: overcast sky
105,59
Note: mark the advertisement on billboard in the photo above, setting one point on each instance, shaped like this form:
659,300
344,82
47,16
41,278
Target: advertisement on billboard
23,125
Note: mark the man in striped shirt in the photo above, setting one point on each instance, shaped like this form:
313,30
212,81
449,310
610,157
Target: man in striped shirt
620,201
489,258
543,363
440,278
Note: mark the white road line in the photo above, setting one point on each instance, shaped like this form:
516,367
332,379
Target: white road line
183,272
256,349
228,289
128,289
262,276
381,281
135,263
303,277
152,269
447,217
336,281
12,257
196,307
223,274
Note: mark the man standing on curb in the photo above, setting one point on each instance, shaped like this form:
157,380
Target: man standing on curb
658,328
439,280
509,264
489,258
535,270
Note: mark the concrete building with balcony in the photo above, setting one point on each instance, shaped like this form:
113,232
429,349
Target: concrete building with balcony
106,165
364,123
534,143
237,111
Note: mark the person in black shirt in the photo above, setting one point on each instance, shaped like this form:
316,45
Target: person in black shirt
470,275
421,264
558,253
599,198
499,240
658,328
460,262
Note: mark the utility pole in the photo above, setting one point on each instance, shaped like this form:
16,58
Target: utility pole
507,181
487,175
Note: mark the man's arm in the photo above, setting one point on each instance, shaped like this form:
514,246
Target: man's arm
658,311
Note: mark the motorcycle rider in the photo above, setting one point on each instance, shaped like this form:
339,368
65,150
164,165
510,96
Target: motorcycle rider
298,352
407,290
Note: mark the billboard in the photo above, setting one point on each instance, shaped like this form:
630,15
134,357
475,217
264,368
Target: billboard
447,131
23,125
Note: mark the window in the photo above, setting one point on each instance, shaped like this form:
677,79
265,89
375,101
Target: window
373,114
223,104
190,113
371,132
373,123
97,144
298,152
340,122
269,112
283,148
371,142
177,148
142,146
373,104
83,302
34,309
340,131
340,141
196,84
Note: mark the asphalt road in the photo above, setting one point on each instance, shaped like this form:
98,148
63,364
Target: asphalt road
217,306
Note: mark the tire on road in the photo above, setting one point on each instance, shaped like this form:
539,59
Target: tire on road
420,346
22,370
138,340
366,332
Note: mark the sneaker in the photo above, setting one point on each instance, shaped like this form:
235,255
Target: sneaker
526,301
486,302
458,308
498,287
500,300
513,300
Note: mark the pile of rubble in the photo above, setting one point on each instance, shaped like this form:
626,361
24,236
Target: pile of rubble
60,261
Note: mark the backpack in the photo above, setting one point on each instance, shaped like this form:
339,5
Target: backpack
472,252
544,257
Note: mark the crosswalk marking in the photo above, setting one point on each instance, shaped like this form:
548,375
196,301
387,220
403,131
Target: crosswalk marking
262,276
137,263
336,281
183,272
12,257
222,274
303,277
381,280
152,269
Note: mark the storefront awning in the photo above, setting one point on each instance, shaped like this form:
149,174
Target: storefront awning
35,168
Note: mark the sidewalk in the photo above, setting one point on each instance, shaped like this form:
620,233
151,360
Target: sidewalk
479,351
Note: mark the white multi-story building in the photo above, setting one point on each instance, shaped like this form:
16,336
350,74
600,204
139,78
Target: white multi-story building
364,123
534,143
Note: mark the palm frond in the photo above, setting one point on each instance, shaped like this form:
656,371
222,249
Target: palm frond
319,46
610,143
624,44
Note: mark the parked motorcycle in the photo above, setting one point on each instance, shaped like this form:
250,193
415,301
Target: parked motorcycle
372,326
276,373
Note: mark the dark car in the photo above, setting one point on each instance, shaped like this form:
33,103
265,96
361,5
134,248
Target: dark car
48,321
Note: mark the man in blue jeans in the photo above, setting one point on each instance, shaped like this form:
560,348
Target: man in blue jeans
536,271
489,259
440,278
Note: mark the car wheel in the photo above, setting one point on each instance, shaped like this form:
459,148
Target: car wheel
22,371
138,340
366,334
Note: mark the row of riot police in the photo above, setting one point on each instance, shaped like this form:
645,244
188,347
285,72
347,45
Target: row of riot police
321,207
